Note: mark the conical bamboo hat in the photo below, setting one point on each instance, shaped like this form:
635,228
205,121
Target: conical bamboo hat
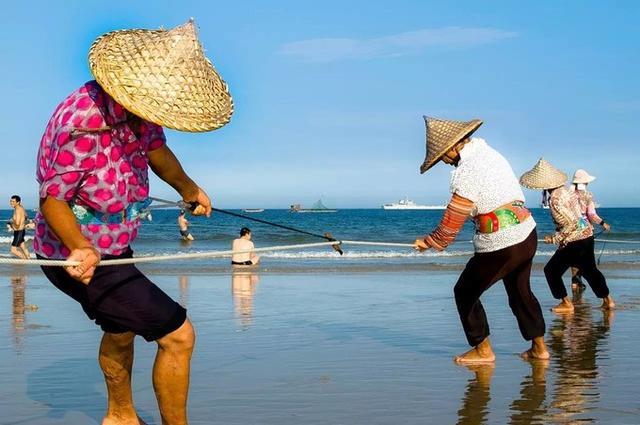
162,76
442,135
543,176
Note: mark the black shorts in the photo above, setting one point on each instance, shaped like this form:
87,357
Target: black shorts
121,299
242,263
18,237
184,233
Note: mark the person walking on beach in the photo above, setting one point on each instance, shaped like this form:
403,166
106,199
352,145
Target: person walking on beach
18,224
183,225
588,206
574,236
92,168
484,187
244,243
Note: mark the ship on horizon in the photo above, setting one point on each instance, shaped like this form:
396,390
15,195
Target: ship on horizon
408,204
318,207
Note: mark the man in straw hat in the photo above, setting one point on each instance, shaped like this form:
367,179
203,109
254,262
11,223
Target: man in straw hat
92,170
574,236
588,206
485,188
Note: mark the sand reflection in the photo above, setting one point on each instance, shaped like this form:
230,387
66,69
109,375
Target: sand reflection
530,408
183,287
243,288
475,402
576,342
18,287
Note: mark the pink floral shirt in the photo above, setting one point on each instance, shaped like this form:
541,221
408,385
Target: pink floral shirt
90,156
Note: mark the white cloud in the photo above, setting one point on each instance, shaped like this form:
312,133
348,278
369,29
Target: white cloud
402,44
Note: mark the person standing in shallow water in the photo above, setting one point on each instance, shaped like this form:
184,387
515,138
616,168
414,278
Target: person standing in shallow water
183,226
18,224
574,236
92,168
484,187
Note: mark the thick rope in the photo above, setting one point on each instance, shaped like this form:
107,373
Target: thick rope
151,259
215,254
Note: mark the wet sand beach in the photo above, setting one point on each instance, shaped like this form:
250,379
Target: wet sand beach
329,348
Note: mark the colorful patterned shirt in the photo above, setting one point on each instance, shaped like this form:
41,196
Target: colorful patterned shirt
91,157
588,206
566,212
484,177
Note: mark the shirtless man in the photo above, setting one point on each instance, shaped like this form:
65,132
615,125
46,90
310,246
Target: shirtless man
183,224
243,243
18,222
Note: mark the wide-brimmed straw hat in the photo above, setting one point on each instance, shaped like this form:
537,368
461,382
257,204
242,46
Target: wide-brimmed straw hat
581,176
543,176
442,135
162,76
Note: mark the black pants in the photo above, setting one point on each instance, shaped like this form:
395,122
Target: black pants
513,266
575,254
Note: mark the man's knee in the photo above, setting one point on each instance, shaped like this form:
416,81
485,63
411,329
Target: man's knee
119,341
182,339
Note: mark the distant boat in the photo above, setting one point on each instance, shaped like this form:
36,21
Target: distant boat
408,204
253,210
318,207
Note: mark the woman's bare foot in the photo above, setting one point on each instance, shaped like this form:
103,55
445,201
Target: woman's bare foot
483,371
607,303
481,353
565,306
538,350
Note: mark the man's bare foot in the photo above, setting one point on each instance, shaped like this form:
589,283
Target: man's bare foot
607,303
538,350
481,353
120,421
565,306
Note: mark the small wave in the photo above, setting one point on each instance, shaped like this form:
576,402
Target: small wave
9,239
364,254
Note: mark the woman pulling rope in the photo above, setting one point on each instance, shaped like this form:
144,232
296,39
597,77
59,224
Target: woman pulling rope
484,186
92,169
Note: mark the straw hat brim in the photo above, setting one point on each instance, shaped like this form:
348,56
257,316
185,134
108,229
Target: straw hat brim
163,77
462,134
584,180
537,180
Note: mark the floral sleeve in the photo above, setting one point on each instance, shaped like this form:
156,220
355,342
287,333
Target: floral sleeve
152,136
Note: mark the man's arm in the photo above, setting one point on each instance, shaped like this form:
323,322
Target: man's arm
166,166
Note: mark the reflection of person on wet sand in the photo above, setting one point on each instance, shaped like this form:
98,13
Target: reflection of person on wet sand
575,343
183,286
475,403
18,284
243,243
530,407
243,287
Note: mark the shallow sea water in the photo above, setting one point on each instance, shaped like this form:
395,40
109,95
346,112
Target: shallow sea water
330,348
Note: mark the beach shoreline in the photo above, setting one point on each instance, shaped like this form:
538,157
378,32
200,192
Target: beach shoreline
358,348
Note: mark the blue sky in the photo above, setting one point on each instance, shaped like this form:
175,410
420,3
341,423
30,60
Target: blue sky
329,96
